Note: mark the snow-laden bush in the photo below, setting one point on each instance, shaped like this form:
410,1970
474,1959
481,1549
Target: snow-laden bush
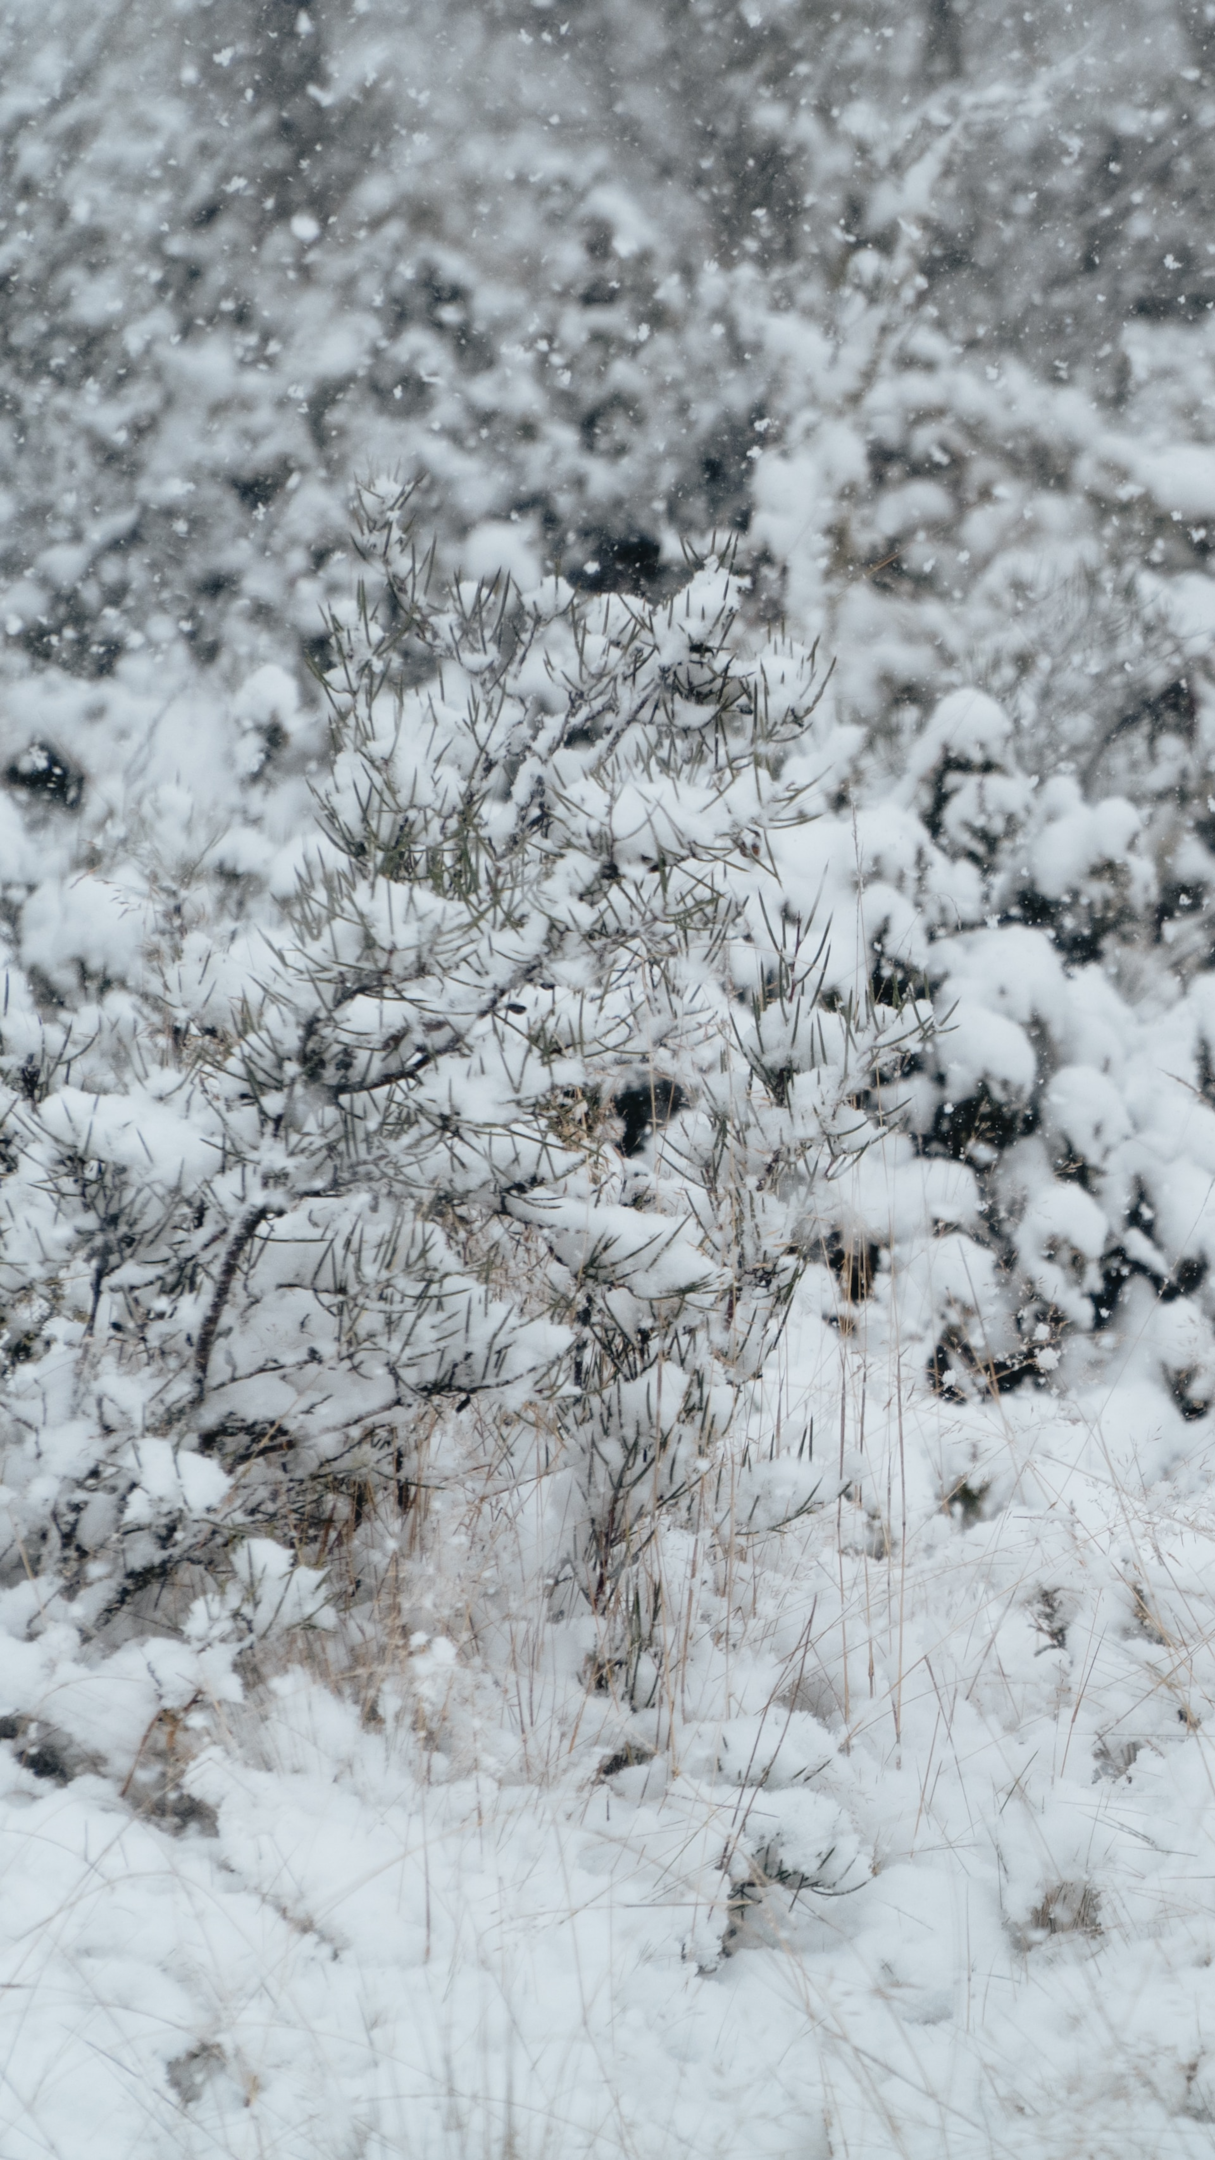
530,1106
1058,1126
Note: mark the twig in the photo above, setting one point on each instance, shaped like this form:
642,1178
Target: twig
245,1230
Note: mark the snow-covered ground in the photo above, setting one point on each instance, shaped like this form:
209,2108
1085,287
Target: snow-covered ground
439,1928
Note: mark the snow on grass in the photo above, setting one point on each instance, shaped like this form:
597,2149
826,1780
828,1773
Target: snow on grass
917,1862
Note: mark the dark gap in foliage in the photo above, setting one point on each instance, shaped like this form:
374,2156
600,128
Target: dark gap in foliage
644,1106
41,770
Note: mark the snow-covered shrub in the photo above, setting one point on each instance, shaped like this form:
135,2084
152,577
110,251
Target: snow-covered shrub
543,1058
1068,1080
533,1102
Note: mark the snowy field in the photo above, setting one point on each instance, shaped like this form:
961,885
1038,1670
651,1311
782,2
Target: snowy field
607,1080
